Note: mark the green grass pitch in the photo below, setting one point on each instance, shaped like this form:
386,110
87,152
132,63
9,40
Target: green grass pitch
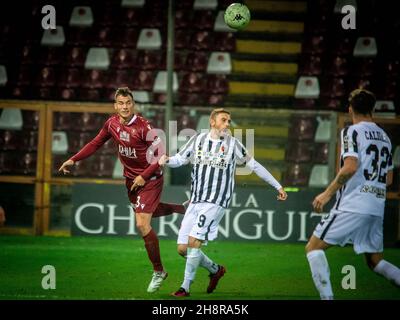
118,268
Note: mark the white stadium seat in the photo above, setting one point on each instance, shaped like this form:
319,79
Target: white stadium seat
132,3
141,96
365,47
385,108
59,142
3,75
149,39
205,4
97,58
319,176
53,37
323,132
203,124
307,88
81,16
11,119
160,84
219,63
220,25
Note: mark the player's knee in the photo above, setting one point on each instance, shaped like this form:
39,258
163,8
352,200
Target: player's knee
372,260
143,227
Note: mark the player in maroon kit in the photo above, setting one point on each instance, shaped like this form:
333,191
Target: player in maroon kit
137,149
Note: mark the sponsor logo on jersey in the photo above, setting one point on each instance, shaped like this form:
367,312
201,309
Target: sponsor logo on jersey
127,152
124,136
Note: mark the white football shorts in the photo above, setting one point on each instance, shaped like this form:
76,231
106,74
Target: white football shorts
201,222
364,231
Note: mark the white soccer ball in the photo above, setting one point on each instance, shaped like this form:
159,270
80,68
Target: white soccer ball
237,16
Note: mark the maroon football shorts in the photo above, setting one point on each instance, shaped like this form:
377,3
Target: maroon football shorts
145,199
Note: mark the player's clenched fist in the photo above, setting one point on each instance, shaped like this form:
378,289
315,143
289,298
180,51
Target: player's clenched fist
163,160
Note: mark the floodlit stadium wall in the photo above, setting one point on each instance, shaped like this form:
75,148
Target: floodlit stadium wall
299,148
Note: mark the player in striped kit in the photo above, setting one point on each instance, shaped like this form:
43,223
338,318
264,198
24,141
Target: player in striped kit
360,187
214,156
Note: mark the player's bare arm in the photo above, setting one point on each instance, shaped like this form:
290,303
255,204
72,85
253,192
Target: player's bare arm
65,165
346,172
163,160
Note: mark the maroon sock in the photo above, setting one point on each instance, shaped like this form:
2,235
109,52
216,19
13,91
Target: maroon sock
153,250
165,209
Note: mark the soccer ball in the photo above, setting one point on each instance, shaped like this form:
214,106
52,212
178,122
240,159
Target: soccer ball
237,16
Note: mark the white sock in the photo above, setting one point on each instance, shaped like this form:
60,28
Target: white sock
389,271
208,264
320,273
193,259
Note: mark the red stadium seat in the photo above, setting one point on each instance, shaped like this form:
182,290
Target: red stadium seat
78,37
124,59
28,55
191,99
302,128
24,77
182,38
297,175
314,45
149,59
29,140
192,83
120,78
321,153
144,81
9,140
67,94
183,19
333,87
127,38
204,19
299,152
201,40
27,164
215,99
90,95
103,37
70,78
7,162
76,57
46,77
224,41
310,66
51,56
338,66
196,61
131,17
77,140
94,79
103,166
217,84
30,119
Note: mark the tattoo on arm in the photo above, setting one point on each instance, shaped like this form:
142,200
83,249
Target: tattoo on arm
342,178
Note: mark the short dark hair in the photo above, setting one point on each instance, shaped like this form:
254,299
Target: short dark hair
124,91
362,101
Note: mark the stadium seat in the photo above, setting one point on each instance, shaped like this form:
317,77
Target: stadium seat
191,99
299,152
51,56
364,67
9,140
324,128
305,103
219,63
220,25
160,83
149,39
132,3
89,121
7,163
203,20
53,37
321,153
144,81
365,47
82,169
77,140
11,119
183,20
103,37
103,166
94,79
149,60
59,143
342,46
30,119
296,175
63,121
201,41
27,164
3,76
314,45
310,66
214,99
141,96
339,4
183,38
192,83
68,94
46,77
124,59
385,108
81,16
217,84
109,148
97,58
153,17
79,37
76,57
333,87
302,128
339,67
43,93
131,17
307,88
24,77
203,123
70,78
205,4
119,78
117,170
319,176
225,41
196,61
28,55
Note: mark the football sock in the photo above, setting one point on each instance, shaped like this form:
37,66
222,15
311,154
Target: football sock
192,263
153,250
389,271
320,273
207,263
165,209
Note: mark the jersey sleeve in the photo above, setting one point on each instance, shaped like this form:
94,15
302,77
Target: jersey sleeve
94,144
241,153
349,142
186,152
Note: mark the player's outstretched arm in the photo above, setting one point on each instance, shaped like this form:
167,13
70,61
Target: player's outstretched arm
345,173
65,165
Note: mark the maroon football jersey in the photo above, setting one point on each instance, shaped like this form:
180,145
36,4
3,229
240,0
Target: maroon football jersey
134,141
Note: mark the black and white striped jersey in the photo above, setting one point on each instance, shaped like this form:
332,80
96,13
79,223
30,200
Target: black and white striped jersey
214,163
365,191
